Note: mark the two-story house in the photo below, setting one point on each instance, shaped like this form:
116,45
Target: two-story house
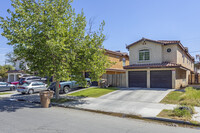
158,64
118,59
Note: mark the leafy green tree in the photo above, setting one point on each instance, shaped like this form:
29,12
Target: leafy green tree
3,71
53,39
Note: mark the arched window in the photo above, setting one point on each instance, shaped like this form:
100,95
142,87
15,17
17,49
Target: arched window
144,55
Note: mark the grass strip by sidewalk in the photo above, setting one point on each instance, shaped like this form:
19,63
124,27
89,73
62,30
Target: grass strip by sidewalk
93,92
173,97
191,96
4,93
175,114
171,115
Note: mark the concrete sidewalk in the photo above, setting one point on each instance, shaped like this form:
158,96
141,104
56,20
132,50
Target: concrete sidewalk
142,109
8,95
126,107
133,108
135,101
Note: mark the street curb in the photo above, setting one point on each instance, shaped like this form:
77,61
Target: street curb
172,121
123,115
132,116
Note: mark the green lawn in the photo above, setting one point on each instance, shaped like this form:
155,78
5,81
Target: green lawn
191,96
4,93
93,92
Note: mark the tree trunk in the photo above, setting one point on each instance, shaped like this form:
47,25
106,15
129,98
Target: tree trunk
57,89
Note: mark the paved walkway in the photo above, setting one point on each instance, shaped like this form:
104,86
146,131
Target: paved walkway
143,109
8,95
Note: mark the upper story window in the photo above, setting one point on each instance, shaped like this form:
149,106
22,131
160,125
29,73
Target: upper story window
124,62
144,55
183,58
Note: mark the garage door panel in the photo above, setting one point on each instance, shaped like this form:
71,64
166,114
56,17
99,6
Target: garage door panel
137,79
161,79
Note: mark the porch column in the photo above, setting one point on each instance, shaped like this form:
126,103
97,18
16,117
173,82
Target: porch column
173,79
127,79
8,77
148,79
15,77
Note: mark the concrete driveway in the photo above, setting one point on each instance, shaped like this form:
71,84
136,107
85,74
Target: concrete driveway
138,94
135,101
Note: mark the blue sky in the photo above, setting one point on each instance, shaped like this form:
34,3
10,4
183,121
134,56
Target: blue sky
129,20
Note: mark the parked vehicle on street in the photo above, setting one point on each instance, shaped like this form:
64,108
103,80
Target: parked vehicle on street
6,86
15,83
66,86
31,87
29,79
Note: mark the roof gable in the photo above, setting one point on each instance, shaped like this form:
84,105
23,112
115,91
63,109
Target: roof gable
144,40
164,42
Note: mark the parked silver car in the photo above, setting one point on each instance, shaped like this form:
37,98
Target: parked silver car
5,86
31,87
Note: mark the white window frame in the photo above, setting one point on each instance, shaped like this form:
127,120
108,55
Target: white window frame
144,51
124,61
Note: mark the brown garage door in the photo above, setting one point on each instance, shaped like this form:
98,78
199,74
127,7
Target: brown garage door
137,79
161,79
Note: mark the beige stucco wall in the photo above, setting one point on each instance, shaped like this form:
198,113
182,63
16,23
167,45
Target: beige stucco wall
181,78
155,53
184,60
169,56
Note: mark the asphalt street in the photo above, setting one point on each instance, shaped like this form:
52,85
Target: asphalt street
23,117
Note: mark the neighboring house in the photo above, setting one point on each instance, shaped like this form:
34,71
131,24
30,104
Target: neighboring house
119,60
14,75
158,64
197,67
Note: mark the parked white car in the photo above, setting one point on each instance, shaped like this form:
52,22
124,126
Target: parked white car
6,87
31,87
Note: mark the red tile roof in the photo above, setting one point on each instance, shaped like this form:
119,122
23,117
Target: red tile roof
169,41
15,71
117,70
116,53
154,65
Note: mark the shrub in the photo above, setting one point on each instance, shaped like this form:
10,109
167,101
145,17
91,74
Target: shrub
184,111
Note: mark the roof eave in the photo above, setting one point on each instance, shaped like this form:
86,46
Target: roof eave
144,39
